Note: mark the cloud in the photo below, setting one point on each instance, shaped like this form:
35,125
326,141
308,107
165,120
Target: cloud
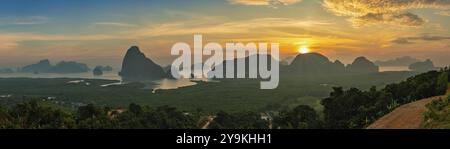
443,13
24,20
12,40
410,40
289,32
407,19
113,24
270,3
401,41
368,12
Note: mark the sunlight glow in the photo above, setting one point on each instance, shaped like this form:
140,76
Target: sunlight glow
303,50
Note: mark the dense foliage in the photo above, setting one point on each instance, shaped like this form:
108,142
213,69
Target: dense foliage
31,115
243,120
438,113
301,117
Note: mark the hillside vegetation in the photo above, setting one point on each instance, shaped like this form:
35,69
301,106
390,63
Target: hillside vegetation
354,108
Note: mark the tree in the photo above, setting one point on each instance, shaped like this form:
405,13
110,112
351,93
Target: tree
93,117
354,108
89,111
135,109
301,117
242,120
5,118
442,83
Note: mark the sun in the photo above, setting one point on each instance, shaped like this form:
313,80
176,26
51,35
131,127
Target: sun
303,50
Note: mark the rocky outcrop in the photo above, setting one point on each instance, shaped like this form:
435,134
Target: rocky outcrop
105,68
136,66
98,71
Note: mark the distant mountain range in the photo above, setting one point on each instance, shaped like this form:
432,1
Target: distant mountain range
6,70
315,64
412,63
136,66
424,66
44,66
224,64
401,61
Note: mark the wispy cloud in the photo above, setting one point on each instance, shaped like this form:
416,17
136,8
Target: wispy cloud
270,3
259,25
12,40
368,12
23,20
410,40
113,24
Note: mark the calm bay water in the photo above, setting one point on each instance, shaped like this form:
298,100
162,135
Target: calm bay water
87,75
157,84
394,68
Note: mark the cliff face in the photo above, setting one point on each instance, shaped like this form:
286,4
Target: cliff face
362,65
257,57
136,66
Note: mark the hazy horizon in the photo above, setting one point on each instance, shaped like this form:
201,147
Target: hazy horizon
99,32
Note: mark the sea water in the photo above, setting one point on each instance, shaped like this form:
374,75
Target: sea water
156,84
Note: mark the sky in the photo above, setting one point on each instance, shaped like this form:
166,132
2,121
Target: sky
98,32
